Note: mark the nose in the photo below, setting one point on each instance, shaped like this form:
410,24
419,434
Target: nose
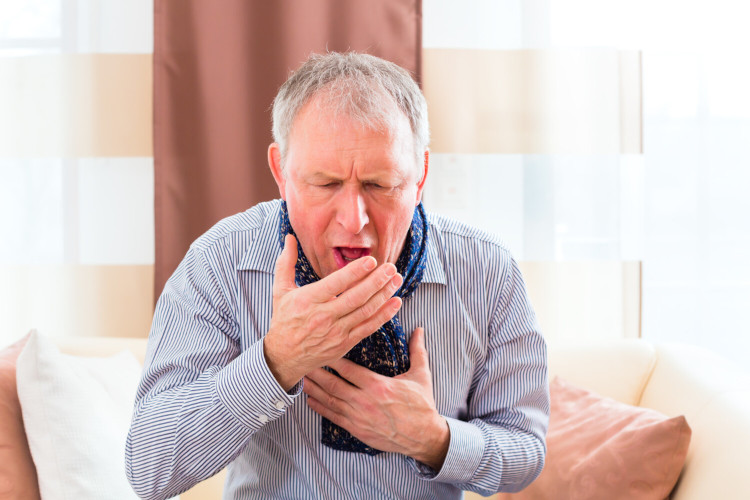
352,211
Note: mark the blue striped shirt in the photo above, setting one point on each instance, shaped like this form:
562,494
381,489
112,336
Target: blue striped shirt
207,399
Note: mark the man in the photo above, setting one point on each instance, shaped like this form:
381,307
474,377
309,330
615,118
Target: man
340,343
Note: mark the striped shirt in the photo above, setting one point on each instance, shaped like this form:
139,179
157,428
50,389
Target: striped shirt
207,399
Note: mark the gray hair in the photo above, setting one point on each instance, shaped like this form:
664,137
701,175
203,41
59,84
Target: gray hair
362,87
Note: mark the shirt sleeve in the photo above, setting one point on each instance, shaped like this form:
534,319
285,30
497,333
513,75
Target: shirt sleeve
501,446
195,377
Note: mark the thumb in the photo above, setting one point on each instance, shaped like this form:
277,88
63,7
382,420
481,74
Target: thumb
418,357
283,279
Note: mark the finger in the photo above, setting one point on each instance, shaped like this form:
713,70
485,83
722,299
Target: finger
333,385
285,266
314,389
369,326
339,281
355,374
360,293
369,308
318,407
418,356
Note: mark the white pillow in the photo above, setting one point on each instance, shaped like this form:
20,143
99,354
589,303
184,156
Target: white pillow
76,412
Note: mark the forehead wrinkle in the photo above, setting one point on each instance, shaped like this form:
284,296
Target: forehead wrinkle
396,145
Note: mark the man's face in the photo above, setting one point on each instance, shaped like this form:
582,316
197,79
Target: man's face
350,191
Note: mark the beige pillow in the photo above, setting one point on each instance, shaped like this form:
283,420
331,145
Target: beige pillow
17,473
600,448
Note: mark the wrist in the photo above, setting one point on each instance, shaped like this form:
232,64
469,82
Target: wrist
437,446
280,368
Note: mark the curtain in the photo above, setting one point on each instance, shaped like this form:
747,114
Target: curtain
76,168
217,67
672,214
541,144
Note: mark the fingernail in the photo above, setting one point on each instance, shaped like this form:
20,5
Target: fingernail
390,270
370,264
396,280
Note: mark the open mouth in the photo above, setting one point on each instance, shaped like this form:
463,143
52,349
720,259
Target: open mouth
345,255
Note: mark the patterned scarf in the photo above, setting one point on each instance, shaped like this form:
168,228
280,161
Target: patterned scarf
386,351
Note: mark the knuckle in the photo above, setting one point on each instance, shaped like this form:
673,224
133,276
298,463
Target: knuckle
318,320
332,281
350,302
362,331
368,310
337,330
331,402
383,279
383,315
335,386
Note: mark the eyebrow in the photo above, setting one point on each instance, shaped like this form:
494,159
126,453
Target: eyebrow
322,176
377,178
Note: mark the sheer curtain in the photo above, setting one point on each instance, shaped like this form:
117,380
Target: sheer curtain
680,208
76,167
556,168
696,238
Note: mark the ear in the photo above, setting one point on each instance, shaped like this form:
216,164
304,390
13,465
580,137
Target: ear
420,184
274,161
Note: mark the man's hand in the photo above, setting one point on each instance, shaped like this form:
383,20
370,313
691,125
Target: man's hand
391,414
314,325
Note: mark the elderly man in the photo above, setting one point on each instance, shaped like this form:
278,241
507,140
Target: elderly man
340,342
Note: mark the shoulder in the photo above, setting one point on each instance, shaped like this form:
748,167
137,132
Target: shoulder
240,228
475,262
456,237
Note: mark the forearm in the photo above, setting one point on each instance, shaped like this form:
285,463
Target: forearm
163,457
186,434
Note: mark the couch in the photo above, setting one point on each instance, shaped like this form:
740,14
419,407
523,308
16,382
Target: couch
674,379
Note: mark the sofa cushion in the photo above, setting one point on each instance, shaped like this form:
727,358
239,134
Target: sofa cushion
600,448
17,473
77,411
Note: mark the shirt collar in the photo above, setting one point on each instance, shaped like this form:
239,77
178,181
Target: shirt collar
434,270
265,249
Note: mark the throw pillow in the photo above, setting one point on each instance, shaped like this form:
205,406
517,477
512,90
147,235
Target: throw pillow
600,448
77,413
17,473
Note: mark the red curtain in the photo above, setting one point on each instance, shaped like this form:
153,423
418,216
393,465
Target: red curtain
217,67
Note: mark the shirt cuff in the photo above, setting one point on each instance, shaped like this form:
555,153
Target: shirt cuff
249,390
463,458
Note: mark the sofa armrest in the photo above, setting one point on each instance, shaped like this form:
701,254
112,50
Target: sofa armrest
714,395
619,369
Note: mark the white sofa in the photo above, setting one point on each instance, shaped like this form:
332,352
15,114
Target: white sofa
674,379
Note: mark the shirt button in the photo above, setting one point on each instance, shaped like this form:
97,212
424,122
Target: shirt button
279,405
262,419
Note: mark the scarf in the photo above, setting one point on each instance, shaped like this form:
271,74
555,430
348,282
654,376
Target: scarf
385,351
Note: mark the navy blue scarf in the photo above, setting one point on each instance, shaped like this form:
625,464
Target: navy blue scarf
386,351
